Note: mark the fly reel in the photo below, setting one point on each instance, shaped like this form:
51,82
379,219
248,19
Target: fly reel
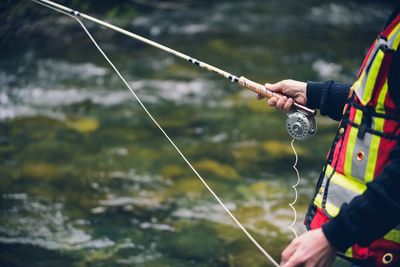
300,126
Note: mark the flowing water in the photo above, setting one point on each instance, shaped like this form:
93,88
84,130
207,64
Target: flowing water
88,180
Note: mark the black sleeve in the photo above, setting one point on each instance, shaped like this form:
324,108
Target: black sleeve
370,215
328,96
394,78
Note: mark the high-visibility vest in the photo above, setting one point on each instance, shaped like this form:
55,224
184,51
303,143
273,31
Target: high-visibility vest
368,131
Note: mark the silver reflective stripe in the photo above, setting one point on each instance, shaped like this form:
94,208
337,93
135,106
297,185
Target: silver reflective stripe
337,195
358,167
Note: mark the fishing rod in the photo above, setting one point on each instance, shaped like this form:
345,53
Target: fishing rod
300,122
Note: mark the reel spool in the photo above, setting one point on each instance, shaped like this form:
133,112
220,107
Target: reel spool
300,126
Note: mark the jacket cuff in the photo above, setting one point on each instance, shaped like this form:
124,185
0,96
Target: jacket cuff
339,233
314,94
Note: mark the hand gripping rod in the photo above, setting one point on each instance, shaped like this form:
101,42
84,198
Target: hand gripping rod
246,83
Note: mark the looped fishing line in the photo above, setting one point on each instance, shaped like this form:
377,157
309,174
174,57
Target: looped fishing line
295,189
263,251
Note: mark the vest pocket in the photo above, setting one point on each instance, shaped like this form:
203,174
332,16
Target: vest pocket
337,190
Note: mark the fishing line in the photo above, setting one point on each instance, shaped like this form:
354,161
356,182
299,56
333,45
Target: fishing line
179,151
295,189
252,239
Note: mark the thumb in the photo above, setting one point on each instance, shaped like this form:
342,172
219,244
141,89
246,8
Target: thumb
275,87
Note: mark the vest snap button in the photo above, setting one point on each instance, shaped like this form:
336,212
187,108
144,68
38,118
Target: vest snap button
321,190
341,130
387,258
360,155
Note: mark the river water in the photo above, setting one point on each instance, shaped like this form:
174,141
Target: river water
88,180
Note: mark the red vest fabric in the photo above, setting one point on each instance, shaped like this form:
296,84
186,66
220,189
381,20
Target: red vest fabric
368,131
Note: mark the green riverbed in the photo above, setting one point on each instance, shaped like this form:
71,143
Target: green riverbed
88,180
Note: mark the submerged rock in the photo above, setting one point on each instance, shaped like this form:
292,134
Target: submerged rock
189,186
83,125
217,169
173,171
280,149
193,242
39,170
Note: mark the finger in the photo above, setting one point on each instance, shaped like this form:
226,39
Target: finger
275,87
288,105
295,260
313,264
288,252
325,261
272,101
259,97
281,103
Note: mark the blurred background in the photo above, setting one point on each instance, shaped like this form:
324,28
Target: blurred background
87,179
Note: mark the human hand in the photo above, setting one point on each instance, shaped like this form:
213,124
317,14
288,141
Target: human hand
293,91
311,249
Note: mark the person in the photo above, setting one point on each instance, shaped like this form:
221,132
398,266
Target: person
355,211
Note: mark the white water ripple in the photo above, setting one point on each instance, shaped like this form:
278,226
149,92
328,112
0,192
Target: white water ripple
36,100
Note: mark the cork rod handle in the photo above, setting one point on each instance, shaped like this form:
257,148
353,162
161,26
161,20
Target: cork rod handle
262,90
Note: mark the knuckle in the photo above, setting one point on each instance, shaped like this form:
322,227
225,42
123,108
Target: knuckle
297,260
285,255
295,241
288,104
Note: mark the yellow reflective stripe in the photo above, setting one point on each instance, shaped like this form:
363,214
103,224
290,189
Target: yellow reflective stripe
349,183
380,106
358,116
372,75
351,143
396,41
331,209
393,235
373,153
394,31
375,140
349,252
318,200
329,170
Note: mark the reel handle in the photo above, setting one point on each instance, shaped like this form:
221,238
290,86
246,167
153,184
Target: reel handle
262,90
